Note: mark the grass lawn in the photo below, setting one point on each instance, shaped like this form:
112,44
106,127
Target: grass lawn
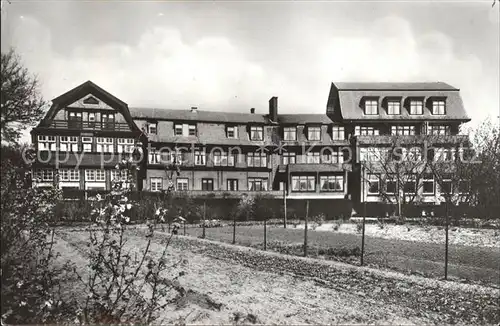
472,263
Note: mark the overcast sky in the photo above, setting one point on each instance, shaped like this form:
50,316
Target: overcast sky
236,55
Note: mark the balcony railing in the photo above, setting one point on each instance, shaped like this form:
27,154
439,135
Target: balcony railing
411,139
86,125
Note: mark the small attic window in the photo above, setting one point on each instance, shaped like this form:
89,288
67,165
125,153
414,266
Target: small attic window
90,100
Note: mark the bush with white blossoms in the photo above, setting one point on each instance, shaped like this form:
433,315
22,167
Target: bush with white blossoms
121,287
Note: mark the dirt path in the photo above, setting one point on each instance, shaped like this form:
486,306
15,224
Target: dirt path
263,295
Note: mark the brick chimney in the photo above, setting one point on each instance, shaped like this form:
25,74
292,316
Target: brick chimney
273,109
252,110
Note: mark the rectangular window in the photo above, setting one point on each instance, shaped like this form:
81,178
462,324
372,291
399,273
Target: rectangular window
410,186
439,130
413,154
232,132
331,183
257,159
390,184
232,184
393,107
438,107
47,143
288,158
100,175
156,184
446,185
444,154
104,145
366,131
199,157
69,175
373,184
108,121
75,120
182,184
178,130
314,133
68,143
332,157
338,133
257,184
223,159
428,184
119,175
154,156
90,175
373,154
44,175
256,133
184,129
152,128
371,107
313,157
290,133
91,119
303,183
207,184
402,130
192,130
87,144
416,107
125,145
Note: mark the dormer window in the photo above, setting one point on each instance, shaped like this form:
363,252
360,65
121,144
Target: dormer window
314,133
438,107
185,129
290,133
393,107
152,128
371,107
416,107
192,130
178,130
256,133
232,132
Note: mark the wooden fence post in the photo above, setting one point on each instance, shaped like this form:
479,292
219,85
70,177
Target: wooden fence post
204,219
305,228
265,232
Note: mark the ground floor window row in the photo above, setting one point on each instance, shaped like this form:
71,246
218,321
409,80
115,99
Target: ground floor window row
73,175
412,184
308,183
207,184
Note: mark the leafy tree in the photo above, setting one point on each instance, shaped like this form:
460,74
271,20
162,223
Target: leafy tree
21,102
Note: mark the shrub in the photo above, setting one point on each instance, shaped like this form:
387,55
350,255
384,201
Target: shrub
336,226
359,227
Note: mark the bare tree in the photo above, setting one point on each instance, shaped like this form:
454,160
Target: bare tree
21,104
395,171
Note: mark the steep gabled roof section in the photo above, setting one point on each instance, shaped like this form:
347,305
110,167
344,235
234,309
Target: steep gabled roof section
85,89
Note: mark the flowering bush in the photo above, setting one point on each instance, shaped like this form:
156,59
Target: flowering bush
122,287
27,254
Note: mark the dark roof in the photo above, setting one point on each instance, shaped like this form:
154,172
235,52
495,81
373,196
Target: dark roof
304,118
394,86
87,88
306,167
197,115
350,98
